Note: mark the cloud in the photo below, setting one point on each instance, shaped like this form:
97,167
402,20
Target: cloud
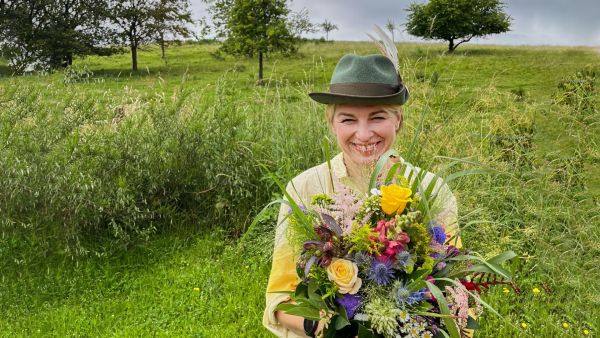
535,22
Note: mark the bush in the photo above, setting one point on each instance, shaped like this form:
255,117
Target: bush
123,170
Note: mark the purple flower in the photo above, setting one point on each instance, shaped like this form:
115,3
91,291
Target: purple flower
351,303
438,234
435,255
452,251
302,208
381,271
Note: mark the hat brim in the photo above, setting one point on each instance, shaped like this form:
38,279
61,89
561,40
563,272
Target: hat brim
329,98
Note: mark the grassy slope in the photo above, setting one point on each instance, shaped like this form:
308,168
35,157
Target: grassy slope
150,289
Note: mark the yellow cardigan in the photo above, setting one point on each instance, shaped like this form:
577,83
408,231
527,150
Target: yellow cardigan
314,181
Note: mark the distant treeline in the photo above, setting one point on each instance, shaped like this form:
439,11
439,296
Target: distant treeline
46,34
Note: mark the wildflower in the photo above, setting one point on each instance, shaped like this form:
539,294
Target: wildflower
452,251
363,261
300,206
401,294
565,325
322,200
364,239
403,316
351,303
382,315
536,290
392,241
394,198
376,192
381,271
437,232
404,261
505,291
586,332
363,317
405,297
196,289
524,325
427,334
459,297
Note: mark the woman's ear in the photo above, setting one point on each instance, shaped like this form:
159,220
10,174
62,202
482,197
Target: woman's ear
400,121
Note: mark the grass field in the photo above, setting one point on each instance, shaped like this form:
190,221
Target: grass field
77,149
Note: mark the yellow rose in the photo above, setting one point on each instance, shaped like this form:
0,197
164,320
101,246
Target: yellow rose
394,198
344,274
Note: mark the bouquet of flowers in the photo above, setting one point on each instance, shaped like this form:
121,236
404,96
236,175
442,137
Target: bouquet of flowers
383,266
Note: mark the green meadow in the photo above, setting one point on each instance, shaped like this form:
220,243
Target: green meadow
126,199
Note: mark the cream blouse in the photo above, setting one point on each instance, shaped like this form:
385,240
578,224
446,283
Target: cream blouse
317,180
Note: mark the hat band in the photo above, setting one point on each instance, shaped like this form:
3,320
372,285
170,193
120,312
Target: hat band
363,89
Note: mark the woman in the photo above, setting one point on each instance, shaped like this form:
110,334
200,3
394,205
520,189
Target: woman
365,114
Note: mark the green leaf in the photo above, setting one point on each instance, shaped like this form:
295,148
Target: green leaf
313,298
484,266
298,213
258,218
364,332
392,172
340,322
302,290
501,258
301,310
379,166
472,323
444,310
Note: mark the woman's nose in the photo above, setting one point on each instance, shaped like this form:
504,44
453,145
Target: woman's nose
364,132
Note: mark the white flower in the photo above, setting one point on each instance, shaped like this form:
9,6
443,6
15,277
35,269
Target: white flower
363,317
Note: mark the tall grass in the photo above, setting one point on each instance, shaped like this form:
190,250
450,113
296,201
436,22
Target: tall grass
157,174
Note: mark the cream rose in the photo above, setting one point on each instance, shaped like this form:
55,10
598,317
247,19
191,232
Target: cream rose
344,274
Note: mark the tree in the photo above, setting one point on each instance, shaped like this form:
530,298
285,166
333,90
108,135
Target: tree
299,23
253,27
169,17
328,26
457,20
391,26
133,19
143,21
48,34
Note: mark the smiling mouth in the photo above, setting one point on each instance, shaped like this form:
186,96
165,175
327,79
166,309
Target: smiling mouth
366,149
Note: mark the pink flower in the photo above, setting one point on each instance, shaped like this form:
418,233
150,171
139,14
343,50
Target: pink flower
391,247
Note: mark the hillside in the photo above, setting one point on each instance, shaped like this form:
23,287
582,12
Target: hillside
125,198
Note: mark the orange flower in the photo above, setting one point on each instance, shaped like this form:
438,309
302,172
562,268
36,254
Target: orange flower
394,198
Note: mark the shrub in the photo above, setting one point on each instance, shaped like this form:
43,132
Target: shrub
122,169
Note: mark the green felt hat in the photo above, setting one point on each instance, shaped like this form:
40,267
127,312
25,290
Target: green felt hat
364,80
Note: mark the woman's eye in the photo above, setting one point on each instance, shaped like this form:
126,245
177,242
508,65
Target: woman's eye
378,118
347,120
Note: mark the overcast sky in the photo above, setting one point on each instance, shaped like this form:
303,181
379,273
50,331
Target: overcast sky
535,22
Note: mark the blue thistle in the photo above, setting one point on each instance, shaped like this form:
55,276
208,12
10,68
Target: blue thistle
405,297
381,271
404,261
363,261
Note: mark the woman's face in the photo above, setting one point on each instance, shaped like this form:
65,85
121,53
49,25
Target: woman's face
364,133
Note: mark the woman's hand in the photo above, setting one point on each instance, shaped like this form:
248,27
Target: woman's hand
296,323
